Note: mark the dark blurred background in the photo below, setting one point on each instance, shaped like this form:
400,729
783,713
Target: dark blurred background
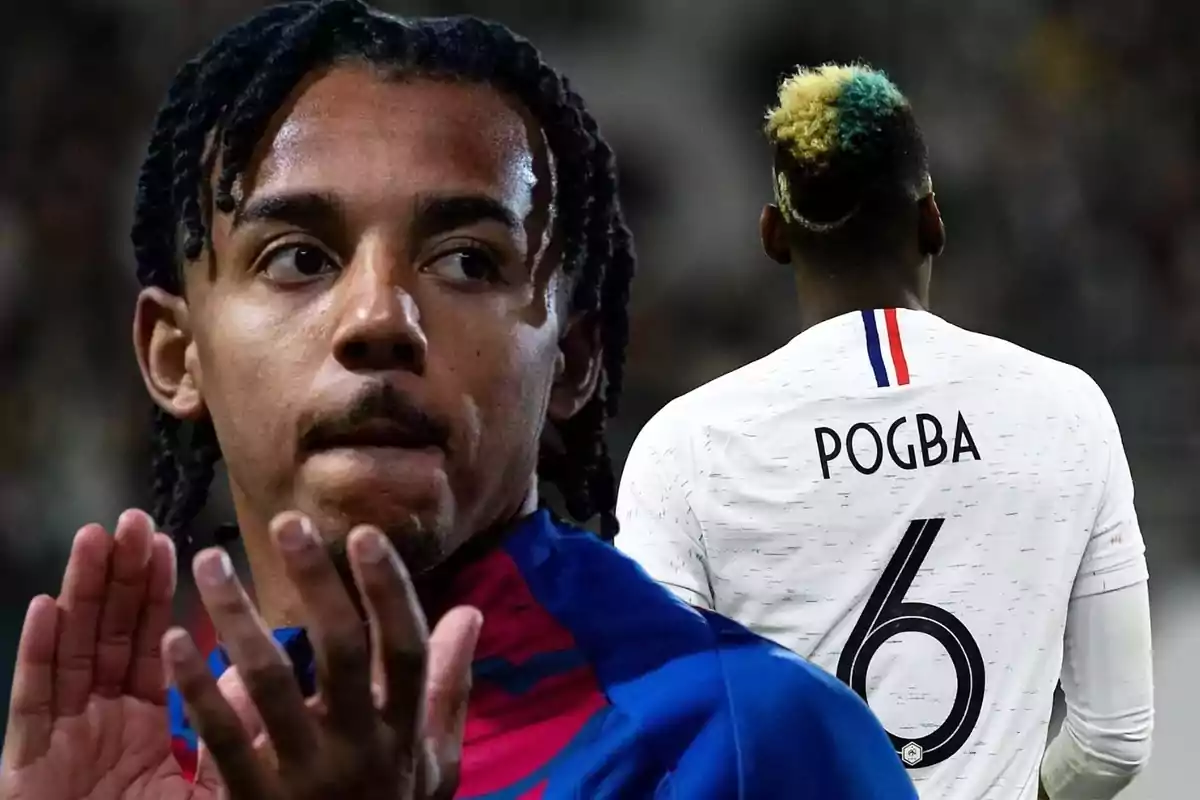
1065,141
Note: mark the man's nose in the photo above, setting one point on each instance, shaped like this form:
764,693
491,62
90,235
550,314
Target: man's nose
381,326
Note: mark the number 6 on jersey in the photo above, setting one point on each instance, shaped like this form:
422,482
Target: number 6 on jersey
887,615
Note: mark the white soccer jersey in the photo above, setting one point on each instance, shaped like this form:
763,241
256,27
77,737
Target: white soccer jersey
909,505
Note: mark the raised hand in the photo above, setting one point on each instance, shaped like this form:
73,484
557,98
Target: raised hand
390,730
88,717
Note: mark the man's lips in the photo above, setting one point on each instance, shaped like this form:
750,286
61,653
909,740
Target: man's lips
376,434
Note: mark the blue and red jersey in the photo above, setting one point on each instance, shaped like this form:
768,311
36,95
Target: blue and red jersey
591,681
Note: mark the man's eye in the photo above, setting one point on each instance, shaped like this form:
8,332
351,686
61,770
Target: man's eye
467,264
299,263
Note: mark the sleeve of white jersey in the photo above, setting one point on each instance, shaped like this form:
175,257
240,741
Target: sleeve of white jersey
1115,556
1108,684
1107,675
658,527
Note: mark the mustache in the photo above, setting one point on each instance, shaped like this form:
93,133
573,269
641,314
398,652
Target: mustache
376,403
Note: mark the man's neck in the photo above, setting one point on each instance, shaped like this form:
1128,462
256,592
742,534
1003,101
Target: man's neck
827,298
438,587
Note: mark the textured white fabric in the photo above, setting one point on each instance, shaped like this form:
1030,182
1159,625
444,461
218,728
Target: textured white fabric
1006,468
1108,682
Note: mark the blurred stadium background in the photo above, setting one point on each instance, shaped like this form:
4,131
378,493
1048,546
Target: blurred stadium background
1065,140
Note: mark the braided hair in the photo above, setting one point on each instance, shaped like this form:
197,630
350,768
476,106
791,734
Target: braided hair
215,112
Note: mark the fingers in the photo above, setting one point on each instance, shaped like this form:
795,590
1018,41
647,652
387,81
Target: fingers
235,693
227,744
80,604
208,773
146,679
128,576
448,690
264,668
398,631
335,628
31,709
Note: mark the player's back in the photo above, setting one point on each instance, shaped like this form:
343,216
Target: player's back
905,503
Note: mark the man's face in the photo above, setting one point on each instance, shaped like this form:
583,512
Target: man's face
375,337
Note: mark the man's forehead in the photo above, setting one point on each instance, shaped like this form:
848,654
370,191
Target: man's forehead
354,132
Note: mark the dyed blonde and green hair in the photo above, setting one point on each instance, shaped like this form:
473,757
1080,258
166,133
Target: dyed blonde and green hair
841,132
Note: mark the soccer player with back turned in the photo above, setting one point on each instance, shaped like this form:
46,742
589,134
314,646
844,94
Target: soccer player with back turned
942,519
380,258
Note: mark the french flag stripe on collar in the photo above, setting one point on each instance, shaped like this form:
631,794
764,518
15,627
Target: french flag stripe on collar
885,348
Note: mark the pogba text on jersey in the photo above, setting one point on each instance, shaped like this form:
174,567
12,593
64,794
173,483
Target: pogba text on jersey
920,442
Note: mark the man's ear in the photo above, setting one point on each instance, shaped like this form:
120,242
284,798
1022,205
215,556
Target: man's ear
577,370
772,227
166,353
931,231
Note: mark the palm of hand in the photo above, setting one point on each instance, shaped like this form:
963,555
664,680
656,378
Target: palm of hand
117,749
88,716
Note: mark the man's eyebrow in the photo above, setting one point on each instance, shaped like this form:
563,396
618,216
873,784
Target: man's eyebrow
302,209
443,213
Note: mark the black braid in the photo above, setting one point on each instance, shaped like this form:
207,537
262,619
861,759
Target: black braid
214,115
195,478
229,59
164,463
153,234
587,483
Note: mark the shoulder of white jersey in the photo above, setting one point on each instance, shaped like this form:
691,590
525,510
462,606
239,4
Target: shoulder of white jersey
1065,385
724,395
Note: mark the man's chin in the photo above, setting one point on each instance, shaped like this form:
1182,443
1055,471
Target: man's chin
417,519
420,540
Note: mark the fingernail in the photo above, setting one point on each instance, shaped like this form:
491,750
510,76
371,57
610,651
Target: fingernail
178,646
133,516
214,569
372,548
296,534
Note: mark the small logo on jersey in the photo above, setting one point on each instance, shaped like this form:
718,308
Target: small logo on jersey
864,448
912,754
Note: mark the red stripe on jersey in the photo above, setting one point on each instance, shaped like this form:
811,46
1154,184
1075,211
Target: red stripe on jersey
897,347
508,736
